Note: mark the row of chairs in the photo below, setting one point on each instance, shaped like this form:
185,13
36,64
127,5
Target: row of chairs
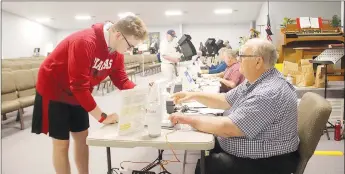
19,77
142,63
17,92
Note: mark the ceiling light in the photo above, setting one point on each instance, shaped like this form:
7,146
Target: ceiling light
173,13
223,11
82,17
125,14
43,19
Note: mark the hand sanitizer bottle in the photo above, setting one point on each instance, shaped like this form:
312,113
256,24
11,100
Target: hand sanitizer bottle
154,112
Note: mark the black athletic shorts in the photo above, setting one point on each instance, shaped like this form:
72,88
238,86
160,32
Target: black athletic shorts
63,118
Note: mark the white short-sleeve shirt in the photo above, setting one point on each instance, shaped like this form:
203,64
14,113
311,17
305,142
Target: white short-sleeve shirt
169,49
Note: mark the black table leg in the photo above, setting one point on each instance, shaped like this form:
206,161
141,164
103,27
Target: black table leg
109,160
202,163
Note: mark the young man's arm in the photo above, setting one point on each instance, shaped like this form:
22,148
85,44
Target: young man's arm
81,54
119,76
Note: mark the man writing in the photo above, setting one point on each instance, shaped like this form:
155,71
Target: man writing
66,78
259,133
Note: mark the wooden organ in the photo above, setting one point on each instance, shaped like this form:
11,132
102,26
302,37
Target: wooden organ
307,43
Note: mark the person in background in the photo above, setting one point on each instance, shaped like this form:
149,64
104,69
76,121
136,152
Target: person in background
259,134
66,79
218,68
227,45
231,77
169,55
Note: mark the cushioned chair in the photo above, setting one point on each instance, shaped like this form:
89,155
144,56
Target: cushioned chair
25,84
6,69
313,114
9,97
131,74
35,74
16,66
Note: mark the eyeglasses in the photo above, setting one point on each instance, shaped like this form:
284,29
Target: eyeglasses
129,45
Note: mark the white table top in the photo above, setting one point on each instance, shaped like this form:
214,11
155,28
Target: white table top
179,139
107,136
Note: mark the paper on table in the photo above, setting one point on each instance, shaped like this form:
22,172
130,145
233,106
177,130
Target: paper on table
132,112
210,111
195,105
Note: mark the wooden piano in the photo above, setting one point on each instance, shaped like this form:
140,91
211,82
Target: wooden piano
298,43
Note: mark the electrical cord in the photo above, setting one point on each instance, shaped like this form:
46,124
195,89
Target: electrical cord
158,161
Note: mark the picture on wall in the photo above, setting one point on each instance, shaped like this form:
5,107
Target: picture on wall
153,42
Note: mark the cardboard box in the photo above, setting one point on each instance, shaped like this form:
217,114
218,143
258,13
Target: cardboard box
290,68
306,76
302,73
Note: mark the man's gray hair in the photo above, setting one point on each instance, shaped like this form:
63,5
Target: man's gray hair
262,48
231,53
222,51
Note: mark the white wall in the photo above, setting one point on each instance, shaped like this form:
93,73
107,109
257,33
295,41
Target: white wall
62,34
199,33
342,14
163,30
20,36
230,32
279,10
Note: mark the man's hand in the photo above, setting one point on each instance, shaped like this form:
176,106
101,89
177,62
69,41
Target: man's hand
179,118
111,119
181,97
221,80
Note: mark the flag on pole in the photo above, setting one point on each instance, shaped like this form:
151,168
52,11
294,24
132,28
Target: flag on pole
268,29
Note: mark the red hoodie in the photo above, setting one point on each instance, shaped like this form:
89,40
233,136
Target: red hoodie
76,65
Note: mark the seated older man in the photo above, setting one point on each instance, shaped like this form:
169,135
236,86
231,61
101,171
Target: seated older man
259,134
231,77
215,69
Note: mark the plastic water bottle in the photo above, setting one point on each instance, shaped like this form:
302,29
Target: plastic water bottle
154,119
154,112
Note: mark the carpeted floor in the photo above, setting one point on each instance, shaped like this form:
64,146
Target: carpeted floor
23,152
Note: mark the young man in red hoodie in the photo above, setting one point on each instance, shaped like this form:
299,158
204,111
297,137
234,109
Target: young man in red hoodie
66,79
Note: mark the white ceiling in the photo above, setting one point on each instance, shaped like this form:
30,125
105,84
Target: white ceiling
151,12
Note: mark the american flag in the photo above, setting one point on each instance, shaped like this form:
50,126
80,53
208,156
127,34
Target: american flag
268,28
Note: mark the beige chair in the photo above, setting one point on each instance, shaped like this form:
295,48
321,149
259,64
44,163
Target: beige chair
131,74
26,65
9,98
313,114
35,74
25,84
6,69
16,66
